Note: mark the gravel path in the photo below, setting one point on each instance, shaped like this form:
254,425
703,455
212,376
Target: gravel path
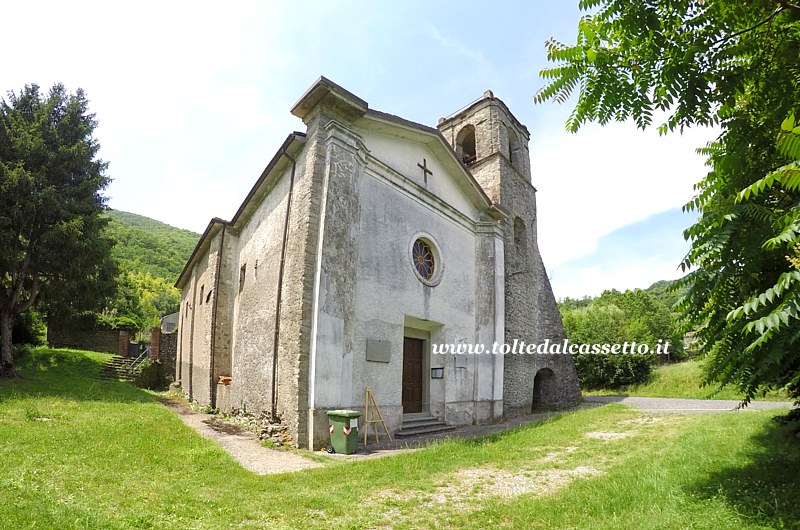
243,445
686,406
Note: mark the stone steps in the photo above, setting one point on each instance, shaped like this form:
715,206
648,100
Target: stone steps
419,424
117,368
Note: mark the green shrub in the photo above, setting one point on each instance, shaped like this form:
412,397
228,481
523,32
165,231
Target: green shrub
149,374
29,329
617,318
612,371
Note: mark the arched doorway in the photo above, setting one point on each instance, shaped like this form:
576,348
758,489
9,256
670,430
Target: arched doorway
544,389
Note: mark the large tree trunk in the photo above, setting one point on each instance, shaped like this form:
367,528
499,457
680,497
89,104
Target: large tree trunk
6,358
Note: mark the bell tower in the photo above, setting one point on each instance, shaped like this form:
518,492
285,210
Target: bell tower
493,145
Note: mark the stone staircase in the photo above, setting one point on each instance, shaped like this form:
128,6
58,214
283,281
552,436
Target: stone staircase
421,423
116,368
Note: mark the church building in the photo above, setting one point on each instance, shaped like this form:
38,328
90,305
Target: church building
367,244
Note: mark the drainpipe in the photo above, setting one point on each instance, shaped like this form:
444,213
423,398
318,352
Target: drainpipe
279,295
212,390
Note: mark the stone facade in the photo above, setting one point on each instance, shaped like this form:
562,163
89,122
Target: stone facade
316,266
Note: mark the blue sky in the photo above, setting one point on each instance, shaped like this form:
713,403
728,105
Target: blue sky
193,99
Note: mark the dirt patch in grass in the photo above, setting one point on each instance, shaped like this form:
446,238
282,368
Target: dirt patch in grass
225,427
482,482
556,455
607,435
642,421
463,488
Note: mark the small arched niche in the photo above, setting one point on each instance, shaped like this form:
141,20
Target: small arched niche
465,144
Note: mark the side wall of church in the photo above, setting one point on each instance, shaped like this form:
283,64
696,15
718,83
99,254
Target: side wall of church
301,262
194,358
253,277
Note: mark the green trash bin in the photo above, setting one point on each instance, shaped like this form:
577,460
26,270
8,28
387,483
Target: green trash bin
343,426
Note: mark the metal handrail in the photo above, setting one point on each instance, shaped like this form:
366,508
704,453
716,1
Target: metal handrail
140,359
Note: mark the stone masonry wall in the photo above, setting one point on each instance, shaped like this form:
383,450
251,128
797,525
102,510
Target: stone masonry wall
106,341
164,349
531,314
168,352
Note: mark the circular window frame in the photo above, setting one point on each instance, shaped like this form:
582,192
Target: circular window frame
438,263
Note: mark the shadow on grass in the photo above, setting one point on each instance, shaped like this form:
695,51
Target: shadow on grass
765,487
67,374
554,416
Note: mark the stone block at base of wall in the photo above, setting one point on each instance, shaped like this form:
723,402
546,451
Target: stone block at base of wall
224,398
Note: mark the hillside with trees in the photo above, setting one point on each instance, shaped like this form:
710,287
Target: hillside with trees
150,256
668,292
145,245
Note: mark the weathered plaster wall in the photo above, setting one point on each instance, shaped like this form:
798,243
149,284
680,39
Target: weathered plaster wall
194,366
375,207
224,297
252,281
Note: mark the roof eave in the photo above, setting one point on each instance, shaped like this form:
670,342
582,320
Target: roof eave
211,230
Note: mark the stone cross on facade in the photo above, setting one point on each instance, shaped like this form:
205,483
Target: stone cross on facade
425,171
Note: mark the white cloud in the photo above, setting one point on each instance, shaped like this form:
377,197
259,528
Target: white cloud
625,274
193,99
603,178
476,57
182,90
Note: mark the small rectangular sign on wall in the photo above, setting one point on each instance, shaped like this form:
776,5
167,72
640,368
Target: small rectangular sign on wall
460,360
379,351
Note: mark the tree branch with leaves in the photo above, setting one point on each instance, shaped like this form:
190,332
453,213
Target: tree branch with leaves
734,65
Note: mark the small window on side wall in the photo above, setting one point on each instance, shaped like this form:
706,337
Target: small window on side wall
242,274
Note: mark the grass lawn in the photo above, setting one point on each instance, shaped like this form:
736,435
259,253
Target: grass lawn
83,453
682,380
